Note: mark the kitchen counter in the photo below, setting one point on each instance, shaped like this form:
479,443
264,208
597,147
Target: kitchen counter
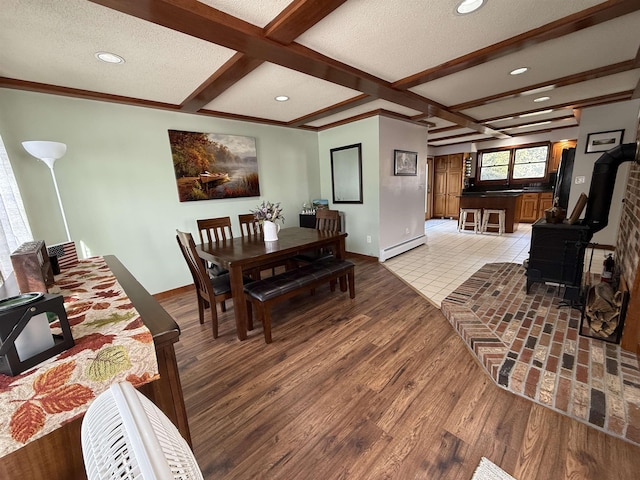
508,200
505,193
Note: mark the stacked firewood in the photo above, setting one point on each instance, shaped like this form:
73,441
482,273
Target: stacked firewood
602,309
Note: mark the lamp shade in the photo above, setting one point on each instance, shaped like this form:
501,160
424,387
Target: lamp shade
45,150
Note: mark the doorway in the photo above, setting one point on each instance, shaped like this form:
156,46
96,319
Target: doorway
428,182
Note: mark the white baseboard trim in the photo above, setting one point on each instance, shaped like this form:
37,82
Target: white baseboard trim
389,252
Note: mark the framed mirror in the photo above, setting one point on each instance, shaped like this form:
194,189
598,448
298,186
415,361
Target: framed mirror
346,174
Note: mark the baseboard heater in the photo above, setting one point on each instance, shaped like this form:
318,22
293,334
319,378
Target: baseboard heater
389,252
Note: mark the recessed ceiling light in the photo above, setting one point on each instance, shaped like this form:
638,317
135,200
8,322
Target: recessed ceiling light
468,6
109,57
281,98
518,71
540,112
541,99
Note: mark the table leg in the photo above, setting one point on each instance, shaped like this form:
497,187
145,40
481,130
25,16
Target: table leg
239,305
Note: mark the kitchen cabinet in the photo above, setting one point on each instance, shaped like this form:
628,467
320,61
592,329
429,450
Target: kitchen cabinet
534,205
556,153
529,211
447,185
545,202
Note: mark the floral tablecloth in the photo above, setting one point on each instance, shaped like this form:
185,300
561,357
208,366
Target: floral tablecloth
111,344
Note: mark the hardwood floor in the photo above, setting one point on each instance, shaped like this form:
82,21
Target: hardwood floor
372,388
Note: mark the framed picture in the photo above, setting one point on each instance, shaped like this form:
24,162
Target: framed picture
212,166
603,141
405,163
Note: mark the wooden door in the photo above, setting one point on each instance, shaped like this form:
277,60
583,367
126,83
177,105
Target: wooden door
440,193
455,172
454,189
428,209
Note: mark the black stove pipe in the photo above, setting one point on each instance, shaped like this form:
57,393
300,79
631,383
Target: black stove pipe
603,182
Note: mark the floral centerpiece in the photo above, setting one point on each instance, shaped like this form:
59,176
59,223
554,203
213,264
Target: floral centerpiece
268,211
267,214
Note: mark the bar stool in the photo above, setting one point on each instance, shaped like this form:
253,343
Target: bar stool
486,217
463,222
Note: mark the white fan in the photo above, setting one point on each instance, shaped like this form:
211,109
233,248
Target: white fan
125,436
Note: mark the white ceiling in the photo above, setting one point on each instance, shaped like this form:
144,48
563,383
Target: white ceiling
588,49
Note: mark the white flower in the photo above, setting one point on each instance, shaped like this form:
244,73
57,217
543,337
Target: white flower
268,211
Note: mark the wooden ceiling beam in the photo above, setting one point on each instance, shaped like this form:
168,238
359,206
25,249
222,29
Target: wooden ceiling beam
84,94
551,84
584,103
587,18
201,21
233,70
294,20
297,18
331,110
636,91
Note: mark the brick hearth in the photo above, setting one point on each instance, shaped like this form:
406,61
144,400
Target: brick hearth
530,346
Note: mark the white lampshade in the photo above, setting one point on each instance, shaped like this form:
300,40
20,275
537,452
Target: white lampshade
48,152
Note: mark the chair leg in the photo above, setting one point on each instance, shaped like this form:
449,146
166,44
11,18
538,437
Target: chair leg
214,319
201,310
352,284
223,305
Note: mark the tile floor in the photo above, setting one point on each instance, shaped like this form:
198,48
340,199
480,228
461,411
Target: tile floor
450,257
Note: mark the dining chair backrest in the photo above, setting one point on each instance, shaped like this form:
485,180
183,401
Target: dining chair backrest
194,262
249,225
215,229
328,220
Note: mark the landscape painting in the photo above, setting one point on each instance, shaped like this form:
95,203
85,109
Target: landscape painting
211,165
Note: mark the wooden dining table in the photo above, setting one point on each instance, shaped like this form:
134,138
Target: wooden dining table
250,252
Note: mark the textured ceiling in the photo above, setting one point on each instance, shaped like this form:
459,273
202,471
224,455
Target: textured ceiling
337,60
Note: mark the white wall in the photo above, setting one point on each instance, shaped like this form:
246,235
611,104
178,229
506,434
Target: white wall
616,116
402,198
361,220
117,182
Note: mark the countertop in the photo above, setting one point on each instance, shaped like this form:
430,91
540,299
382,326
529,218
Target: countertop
506,193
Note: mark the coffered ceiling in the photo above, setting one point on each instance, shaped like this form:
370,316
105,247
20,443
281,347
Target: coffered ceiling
336,60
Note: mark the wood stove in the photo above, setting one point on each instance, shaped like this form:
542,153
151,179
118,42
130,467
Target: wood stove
557,250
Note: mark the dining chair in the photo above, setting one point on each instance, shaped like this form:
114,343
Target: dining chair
326,221
249,225
215,230
209,291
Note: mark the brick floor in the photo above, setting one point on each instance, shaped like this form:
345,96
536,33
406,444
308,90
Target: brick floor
536,350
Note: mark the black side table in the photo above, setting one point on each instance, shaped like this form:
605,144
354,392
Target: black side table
308,220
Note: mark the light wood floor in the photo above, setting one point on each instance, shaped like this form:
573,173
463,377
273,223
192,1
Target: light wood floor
380,387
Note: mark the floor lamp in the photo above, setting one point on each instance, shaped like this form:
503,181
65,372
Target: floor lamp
49,152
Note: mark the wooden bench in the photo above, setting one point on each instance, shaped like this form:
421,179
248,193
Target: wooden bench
264,293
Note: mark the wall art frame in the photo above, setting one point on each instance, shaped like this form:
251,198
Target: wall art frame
603,141
405,163
211,166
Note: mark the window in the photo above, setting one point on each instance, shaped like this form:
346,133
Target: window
14,228
516,164
530,162
495,165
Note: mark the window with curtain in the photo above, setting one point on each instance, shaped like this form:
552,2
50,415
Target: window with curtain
14,227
